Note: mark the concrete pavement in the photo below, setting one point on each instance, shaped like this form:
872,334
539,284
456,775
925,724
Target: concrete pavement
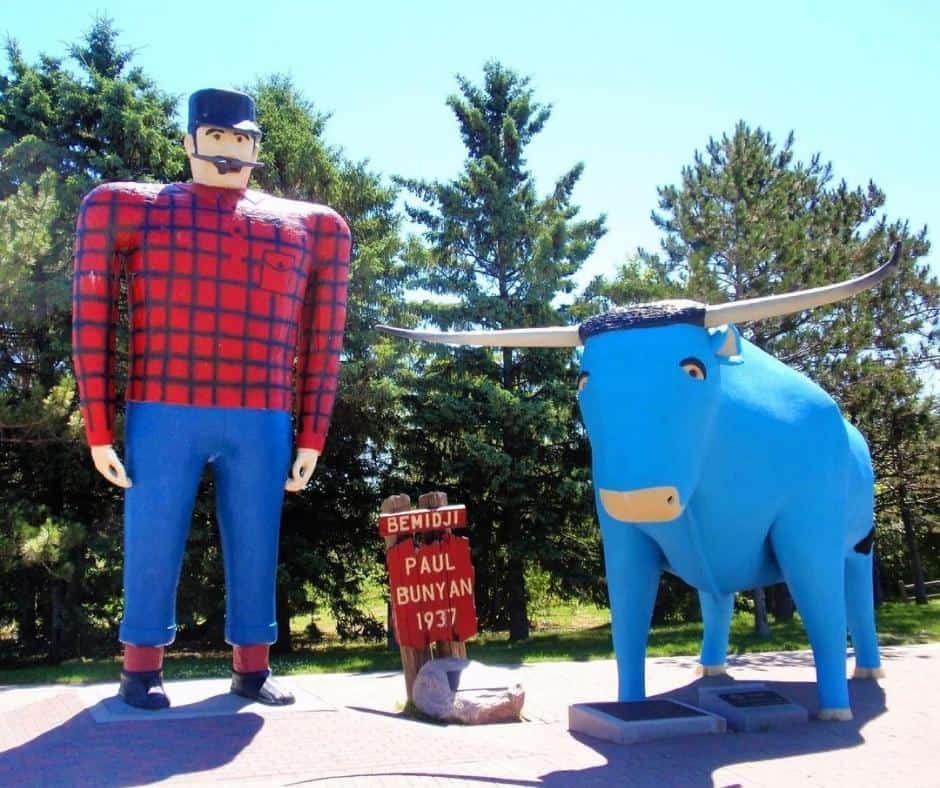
354,736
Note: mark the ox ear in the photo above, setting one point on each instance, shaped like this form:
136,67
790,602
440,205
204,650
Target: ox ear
726,343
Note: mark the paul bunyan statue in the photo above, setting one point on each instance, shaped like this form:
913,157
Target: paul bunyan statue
237,304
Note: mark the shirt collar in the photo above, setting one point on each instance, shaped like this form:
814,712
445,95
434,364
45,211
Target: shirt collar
215,195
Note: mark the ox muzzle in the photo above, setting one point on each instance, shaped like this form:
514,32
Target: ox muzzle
649,505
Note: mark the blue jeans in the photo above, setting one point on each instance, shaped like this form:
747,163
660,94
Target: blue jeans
167,448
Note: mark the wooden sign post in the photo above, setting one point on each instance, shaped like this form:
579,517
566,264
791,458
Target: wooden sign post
431,579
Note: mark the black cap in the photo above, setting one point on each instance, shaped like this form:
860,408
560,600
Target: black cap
227,109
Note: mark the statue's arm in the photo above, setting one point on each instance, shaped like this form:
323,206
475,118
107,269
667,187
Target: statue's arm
105,229
320,341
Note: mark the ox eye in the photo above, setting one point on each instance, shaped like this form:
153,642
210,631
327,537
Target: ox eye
582,380
694,368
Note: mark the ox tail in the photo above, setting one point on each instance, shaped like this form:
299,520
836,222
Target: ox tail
865,546
859,575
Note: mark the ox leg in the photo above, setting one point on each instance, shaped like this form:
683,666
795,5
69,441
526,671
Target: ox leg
634,564
860,608
716,618
811,555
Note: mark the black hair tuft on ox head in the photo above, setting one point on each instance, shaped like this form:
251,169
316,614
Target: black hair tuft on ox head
658,313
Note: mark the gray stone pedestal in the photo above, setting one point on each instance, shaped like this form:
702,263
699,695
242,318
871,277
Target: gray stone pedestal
641,720
751,707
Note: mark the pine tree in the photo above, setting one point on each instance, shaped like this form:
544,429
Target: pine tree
749,220
60,531
497,430
62,130
328,540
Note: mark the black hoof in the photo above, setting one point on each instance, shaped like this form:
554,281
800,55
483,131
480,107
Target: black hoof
260,687
143,689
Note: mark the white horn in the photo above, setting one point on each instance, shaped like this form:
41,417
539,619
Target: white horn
554,336
786,303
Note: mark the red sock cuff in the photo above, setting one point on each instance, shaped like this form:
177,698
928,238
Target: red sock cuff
250,659
137,658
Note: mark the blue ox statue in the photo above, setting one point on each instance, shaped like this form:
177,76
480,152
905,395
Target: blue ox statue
716,462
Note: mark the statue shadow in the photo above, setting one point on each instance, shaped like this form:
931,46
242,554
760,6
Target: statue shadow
692,760
83,751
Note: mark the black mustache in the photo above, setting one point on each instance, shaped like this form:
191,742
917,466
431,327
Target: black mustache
226,164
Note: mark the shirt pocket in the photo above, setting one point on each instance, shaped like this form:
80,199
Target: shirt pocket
278,272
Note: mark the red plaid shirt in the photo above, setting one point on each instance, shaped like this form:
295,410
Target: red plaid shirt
226,288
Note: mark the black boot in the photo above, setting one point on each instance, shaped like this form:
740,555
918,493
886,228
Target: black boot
261,687
143,689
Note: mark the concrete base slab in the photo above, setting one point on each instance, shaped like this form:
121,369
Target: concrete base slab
47,737
751,707
196,698
642,720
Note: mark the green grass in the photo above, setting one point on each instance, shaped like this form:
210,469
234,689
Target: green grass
561,632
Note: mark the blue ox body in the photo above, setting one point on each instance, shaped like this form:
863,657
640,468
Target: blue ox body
714,461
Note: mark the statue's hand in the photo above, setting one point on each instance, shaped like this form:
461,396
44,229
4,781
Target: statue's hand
302,469
110,466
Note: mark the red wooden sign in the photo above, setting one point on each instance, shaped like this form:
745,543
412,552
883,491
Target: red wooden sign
432,591
422,520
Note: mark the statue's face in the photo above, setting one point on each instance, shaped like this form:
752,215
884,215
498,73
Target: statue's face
230,143
226,142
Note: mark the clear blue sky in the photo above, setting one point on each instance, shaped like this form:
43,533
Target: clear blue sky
636,87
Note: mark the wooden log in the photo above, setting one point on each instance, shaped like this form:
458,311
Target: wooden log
411,658
450,648
442,648
432,500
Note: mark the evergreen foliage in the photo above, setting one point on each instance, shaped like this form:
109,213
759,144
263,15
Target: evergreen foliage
749,220
329,540
498,430
64,126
